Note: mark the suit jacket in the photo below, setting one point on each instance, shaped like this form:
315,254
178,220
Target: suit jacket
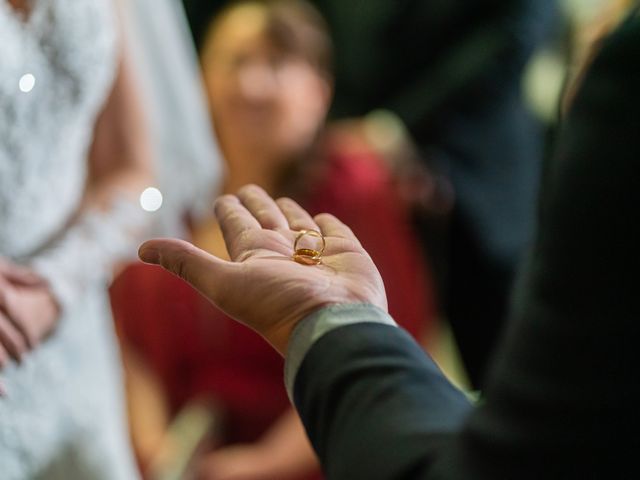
561,398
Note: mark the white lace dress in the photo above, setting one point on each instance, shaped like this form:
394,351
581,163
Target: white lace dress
63,417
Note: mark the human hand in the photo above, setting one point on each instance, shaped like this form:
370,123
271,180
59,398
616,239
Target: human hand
28,311
261,460
262,287
241,462
282,452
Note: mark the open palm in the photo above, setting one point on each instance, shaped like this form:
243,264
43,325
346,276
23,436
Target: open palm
262,286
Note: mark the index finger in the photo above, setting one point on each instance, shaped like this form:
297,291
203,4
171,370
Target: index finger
20,275
235,220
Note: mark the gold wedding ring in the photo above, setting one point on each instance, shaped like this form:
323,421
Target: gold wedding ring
308,256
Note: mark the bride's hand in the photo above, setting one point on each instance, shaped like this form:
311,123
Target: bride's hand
262,286
28,311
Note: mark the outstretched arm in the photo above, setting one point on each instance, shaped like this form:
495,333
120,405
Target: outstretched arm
259,234
561,395
349,360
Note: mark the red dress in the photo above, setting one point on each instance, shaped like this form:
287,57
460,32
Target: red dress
197,351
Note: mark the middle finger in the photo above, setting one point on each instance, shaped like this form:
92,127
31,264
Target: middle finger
235,222
297,216
263,208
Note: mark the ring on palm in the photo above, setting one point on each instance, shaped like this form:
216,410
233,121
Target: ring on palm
303,253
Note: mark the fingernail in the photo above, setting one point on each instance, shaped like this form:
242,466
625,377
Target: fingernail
149,254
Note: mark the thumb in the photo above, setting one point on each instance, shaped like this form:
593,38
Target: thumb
205,272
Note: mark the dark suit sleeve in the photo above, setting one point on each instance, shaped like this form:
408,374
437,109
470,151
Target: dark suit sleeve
561,397
371,401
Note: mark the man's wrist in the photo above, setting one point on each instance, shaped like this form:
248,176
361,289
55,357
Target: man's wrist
323,320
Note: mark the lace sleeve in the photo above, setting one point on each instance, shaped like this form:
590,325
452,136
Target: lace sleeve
87,251
189,165
186,158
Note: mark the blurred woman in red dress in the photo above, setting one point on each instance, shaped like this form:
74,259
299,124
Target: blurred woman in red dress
267,68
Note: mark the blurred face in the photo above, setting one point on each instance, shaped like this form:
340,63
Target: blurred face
260,97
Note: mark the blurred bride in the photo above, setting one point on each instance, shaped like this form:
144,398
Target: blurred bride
74,159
